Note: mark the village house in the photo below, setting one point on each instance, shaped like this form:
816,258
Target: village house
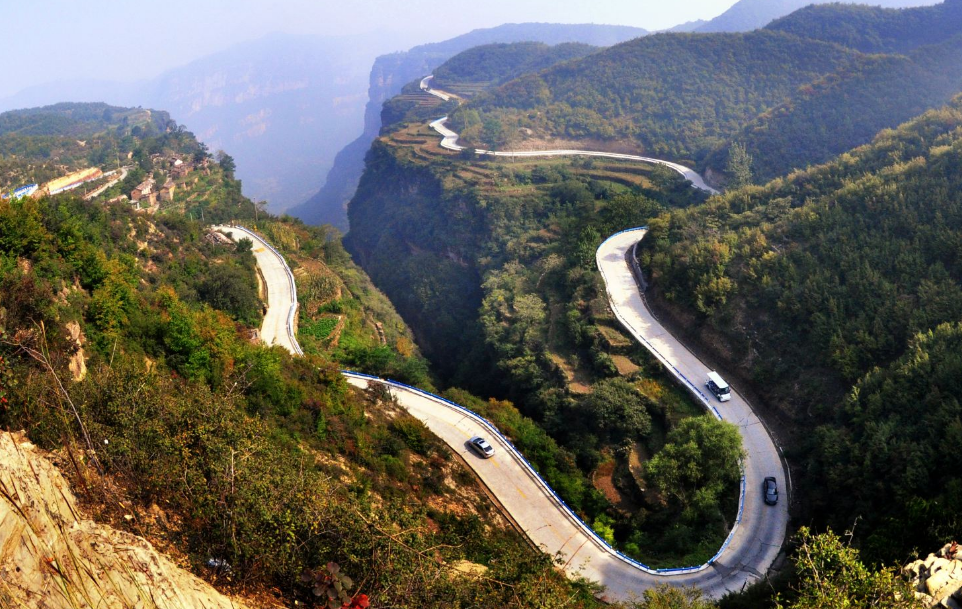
179,169
167,191
144,190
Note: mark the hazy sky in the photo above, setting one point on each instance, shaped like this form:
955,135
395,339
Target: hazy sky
50,40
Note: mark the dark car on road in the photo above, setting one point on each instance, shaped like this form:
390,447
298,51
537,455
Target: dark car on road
481,446
771,490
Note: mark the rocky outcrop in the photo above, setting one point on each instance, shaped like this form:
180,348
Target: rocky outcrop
52,557
938,578
78,361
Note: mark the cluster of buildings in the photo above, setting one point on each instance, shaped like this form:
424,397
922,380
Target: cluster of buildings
71,181
58,185
147,194
23,191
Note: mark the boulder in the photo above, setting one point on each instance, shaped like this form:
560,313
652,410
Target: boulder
937,579
941,584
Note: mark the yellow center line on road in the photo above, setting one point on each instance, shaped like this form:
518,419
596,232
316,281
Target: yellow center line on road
520,492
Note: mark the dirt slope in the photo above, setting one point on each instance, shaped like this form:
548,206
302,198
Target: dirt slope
51,557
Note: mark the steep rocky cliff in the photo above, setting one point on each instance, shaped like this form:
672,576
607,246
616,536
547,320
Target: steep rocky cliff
52,556
391,72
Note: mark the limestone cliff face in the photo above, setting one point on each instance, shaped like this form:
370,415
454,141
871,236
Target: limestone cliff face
938,578
51,556
418,241
391,72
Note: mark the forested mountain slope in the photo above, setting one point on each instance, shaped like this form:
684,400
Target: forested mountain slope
471,73
76,120
825,279
790,101
128,345
873,29
849,107
747,15
392,72
669,95
495,64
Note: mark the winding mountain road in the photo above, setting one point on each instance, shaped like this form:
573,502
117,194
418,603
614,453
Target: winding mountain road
449,141
279,327
759,531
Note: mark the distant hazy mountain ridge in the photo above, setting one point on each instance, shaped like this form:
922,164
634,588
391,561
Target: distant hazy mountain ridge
748,15
921,70
391,72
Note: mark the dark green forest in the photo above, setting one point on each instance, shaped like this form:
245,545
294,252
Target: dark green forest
496,64
670,95
854,264
872,29
920,70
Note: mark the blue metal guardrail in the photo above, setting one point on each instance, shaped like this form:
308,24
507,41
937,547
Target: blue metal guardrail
706,402
515,452
546,487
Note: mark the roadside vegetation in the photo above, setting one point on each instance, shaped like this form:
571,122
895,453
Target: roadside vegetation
126,347
503,292
855,265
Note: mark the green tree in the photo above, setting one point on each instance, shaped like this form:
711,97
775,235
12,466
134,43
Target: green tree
492,133
831,574
231,288
226,163
700,458
586,247
739,166
618,410
134,177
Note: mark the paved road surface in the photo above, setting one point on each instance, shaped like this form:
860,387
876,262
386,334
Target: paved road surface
278,326
449,141
99,191
758,538
755,541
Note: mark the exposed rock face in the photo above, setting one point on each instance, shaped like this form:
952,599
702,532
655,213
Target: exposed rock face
938,578
78,362
52,557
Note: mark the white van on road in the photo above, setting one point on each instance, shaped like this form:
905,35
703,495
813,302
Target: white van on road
719,387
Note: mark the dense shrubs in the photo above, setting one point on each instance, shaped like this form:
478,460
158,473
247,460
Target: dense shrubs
497,63
846,263
673,95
